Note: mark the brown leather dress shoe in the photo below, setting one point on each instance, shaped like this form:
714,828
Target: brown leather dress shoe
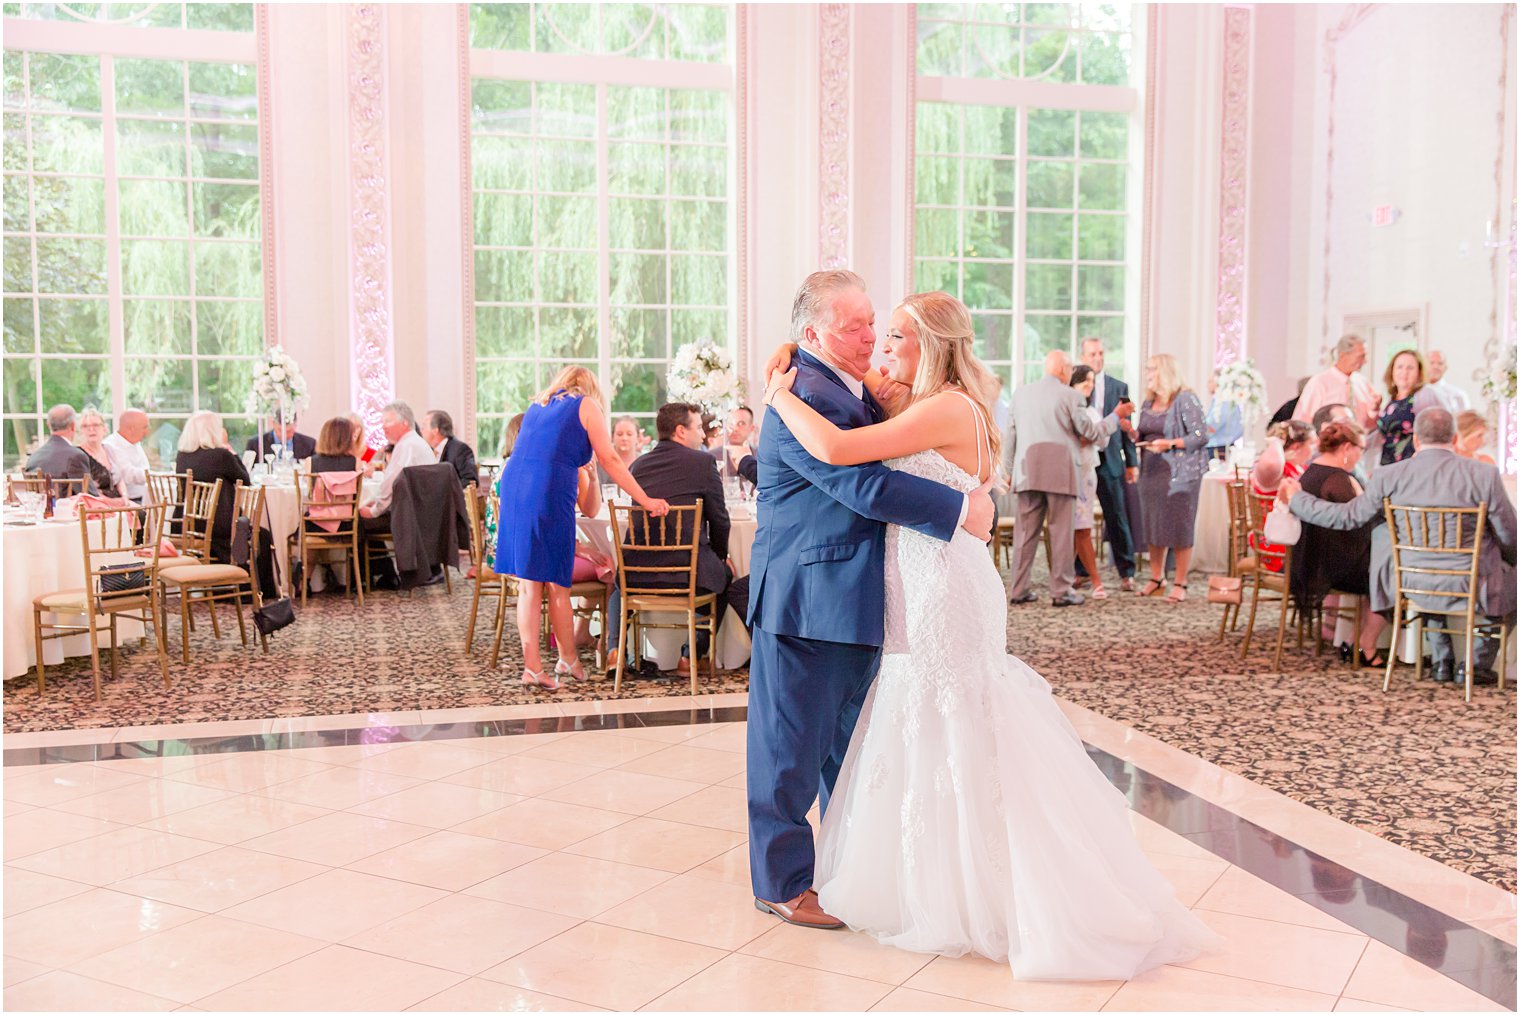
803,911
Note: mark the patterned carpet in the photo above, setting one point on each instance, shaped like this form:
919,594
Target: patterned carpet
1416,766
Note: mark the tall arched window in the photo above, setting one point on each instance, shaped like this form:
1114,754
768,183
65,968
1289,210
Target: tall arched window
133,225
602,176
1027,171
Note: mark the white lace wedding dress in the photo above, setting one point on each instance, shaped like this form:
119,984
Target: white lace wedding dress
968,816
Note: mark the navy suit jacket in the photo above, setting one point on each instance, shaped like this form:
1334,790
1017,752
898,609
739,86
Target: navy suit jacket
683,476
816,569
302,447
458,454
1119,453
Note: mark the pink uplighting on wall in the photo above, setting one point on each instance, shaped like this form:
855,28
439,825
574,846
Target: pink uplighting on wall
833,135
370,321
1234,179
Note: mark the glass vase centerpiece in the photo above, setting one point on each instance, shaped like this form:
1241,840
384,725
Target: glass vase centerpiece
279,392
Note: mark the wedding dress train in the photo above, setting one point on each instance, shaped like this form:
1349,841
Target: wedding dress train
968,816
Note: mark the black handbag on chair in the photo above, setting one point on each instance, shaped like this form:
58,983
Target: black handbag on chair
277,613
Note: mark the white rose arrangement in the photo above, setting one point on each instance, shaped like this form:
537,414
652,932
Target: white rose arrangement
1242,385
1499,382
703,373
278,385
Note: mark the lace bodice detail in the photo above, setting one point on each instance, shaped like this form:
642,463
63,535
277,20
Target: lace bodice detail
932,465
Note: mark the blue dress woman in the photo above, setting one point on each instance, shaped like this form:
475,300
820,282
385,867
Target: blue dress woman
535,538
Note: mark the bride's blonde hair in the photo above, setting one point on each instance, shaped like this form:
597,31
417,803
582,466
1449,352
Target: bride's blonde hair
945,334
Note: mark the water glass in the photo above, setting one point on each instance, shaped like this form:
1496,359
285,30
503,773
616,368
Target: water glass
32,504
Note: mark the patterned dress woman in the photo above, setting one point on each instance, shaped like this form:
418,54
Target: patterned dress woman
1407,398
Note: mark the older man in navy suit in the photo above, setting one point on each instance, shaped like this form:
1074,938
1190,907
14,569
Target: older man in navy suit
1118,465
816,591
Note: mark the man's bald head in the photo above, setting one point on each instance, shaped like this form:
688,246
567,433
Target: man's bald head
132,424
1058,365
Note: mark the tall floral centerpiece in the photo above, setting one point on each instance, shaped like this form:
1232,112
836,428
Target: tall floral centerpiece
1240,384
702,373
1499,383
279,388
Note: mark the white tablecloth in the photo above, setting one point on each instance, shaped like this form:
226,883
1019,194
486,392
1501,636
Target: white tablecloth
1211,529
664,647
40,559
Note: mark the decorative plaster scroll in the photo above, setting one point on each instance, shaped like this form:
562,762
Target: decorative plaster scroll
1234,186
1500,338
742,178
466,219
1152,181
266,173
910,189
369,252
833,135
1354,17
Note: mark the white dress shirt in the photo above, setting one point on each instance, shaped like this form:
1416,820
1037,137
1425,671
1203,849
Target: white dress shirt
410,450
129,466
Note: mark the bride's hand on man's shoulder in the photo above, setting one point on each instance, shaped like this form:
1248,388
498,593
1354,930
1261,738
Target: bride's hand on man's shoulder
781,379
780,359
892,394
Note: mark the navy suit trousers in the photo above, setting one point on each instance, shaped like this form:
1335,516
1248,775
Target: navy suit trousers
804,699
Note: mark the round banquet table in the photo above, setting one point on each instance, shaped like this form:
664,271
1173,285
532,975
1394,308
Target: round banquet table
1211,529
664,647
39,559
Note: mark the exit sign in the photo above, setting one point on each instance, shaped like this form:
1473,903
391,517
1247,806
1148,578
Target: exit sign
1384,215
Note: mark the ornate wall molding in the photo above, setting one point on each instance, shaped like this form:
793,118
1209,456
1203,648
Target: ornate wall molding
1234,187
466,222
1502,263
1357,14
369,252
1152,182
910,177
266,173
742,278
834,22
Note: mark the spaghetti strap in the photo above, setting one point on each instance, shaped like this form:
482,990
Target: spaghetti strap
981,430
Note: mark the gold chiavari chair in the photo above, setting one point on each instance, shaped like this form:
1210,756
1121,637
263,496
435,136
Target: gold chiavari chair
482,506
1265,581
121,568
1436,552
171,490
312,540
212,583
647,547
1242,559
35,482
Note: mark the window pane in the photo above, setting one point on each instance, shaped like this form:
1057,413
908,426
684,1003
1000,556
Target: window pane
223,91
18,264
930,276
1100,287
500,26
164,384
154,208
227,328
639,334
15,143
150,86
155,268
699,281
1047,286
1102,186
1052,132
693,325
1101,237
994,334
1049,236
67,144
567,333
638,388
1105,135
62,82
989,182
1050,185
224,150
504,276
21,437
224,384
1106,59
565,277
988,234
504,386
639,278
73,326
566,166
699,171
78,382
637,168
156,327
150,148
227,209
636,225
503,220
502,163
19,314
226,17
21,386
71,266
988,285
567,222
938,232
69,204
504,331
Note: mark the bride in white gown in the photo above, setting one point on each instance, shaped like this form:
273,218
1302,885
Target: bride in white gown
968,816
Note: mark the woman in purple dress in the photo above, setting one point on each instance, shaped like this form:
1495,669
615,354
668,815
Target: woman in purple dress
535,539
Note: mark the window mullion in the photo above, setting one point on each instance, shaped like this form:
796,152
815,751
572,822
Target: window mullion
603,243
115,311
1020,241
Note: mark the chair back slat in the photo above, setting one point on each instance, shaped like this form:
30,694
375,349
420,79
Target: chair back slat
1258,508
312,491
112,538
199,515
1454,553
248,504
36,482
644,550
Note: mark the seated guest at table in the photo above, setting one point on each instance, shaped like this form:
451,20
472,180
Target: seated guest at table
1407,396
400,427
509,435
92,432
535,537
1452,398
628,440
1328,559
1472,435
128,460
299,445
58,458
1436,476
1332,412
203,449
590,563
1287,409
1289,448
1171,433
738,442
679,470
335,447
362,452
438,430
1222,421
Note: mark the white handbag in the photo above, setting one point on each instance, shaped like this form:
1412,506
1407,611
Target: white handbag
1282,526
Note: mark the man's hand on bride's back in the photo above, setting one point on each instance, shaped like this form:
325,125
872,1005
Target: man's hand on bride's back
979,511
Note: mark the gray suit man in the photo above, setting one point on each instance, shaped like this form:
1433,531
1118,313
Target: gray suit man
57,458
1435,477
1048,422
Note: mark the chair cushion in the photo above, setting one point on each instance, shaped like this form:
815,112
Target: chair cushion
671,602
67,599
205,574
164,562
588,589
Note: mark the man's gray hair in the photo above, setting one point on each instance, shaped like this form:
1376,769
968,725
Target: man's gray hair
1347,343
401,410
60,418
1082,345
1435,426
816,298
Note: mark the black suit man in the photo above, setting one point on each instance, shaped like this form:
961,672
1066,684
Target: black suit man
678,469
300,445
438,430
1117,464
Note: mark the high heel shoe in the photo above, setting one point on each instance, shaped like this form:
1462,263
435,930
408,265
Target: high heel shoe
539,678
1345,652
573,670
